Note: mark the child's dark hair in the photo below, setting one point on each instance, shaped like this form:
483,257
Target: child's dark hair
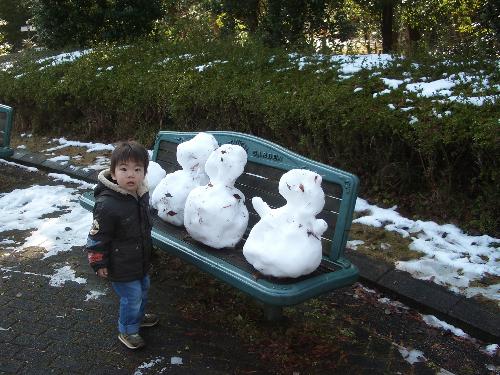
130,150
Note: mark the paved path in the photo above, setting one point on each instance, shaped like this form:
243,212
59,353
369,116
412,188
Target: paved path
210,327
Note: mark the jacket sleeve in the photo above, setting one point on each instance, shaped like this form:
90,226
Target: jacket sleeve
100,236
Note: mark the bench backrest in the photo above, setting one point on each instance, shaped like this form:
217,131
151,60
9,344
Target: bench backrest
266,164
5,125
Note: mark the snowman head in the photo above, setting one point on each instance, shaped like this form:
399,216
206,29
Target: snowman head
302,189
226,164
193,154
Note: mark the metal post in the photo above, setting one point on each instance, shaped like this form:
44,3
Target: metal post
5,128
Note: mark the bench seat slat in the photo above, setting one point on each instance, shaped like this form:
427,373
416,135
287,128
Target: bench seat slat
167,146
275,174
168,166
274,199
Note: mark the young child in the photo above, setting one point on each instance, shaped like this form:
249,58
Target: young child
119,243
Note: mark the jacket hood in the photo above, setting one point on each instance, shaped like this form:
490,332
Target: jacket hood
105,179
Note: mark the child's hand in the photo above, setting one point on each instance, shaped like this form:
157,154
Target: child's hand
102,272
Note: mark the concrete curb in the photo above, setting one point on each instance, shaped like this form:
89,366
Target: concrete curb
480,320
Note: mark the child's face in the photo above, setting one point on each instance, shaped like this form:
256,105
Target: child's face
129,175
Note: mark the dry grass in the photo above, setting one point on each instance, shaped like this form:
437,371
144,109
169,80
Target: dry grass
383,245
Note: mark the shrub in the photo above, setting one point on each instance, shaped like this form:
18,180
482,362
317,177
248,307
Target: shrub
82,23
424,153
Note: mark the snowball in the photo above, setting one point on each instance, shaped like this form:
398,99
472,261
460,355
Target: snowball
215,214
154,175
170,196
193,154
286,242
226,164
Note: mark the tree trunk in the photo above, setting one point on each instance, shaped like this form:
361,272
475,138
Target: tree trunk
387,21
414,37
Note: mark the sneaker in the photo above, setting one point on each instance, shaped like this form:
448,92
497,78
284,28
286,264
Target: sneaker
131,341
150,320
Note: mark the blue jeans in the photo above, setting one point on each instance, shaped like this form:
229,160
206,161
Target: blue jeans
133,298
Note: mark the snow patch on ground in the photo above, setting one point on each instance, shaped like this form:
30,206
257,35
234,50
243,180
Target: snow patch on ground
435,322
491,349
94,295
411,355
65,178
28,209
353,244
63,275
148,365
91,147
60,158
31,169
451,257
101,162
175,360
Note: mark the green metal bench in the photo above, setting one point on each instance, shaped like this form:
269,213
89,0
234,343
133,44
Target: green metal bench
5,128
266,163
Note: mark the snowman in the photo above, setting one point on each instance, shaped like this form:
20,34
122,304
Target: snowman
215,214
155,174
286,242
170,195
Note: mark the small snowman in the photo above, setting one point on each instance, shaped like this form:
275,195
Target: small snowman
170,195
215,214
286,242
155,174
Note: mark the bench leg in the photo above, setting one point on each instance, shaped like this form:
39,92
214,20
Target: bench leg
273,313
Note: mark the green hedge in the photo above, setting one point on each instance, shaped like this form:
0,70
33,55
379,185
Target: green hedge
447,164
